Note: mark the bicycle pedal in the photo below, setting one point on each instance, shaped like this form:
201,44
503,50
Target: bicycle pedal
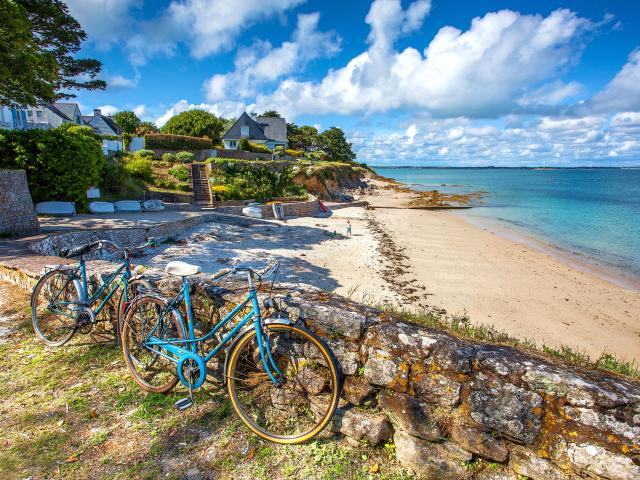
184,403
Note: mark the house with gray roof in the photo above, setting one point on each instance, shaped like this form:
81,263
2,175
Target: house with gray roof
102,124
270,131
51,115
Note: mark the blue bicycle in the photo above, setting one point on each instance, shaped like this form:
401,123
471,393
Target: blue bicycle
66,301
282,379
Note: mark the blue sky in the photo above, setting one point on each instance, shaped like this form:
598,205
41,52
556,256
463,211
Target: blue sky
423,82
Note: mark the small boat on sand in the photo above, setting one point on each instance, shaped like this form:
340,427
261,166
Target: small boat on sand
101,207
56,208
253,210
128,206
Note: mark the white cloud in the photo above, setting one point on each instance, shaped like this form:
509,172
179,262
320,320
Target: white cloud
104,21
206,27
480,73
120,81
140,110
552,93
411,132
623,92
108,109
263,63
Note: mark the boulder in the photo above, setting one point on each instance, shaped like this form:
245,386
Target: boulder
386,370
357,391
527,463
361,425
595,460
434,387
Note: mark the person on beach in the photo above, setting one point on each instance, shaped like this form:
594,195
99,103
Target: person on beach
349,227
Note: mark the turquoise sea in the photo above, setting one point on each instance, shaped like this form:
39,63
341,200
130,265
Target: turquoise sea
591,213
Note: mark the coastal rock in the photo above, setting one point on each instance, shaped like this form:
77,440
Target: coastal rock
456,357
409,414
595,460
358,391
605,427
510,410
319,313
400,338
480,443
527,463
385,370
428,460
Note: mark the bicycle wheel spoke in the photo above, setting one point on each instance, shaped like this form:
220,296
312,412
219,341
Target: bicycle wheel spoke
53,308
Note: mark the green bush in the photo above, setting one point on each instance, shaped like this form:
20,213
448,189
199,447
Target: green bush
166,183
248,146
180,173
60,164
139,167
118,183
184,186
185,157
175,142
169,157
150,154
294,153
243,181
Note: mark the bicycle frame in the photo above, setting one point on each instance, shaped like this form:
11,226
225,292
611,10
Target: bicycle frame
124,272
180,350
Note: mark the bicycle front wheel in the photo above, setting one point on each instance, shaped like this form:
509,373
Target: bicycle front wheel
54,301
306,399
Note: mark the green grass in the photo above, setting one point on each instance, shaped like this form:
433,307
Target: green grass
463,327
74,412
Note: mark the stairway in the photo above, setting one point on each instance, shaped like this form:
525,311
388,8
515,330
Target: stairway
201,188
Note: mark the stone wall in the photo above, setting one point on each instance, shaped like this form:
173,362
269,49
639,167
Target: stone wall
242,155
291,209
458,409
17,213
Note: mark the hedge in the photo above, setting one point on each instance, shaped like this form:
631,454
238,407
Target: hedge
60,164
175,142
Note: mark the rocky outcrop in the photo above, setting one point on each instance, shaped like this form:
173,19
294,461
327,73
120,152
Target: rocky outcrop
329,182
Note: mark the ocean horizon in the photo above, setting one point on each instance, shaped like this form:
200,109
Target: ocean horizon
592,213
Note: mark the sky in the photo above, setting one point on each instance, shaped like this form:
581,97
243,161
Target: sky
423,82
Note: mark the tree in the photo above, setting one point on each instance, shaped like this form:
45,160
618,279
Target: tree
145,128
37,53
127,121
271,114
196,123
335,145
302,138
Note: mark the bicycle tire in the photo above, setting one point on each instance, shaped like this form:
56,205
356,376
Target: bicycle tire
39,322
136,287
315,405
161,365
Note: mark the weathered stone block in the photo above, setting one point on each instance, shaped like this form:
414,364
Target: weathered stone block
347,354
480,443
385,370
604,425
358,391
359,425
434,387
456,357
429,460
320,314
511,410
17,213
595,460
527,463
410,415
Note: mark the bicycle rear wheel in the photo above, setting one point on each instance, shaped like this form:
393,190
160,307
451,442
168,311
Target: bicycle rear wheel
299,409
53,307
153,372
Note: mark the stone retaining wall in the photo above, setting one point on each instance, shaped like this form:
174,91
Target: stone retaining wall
17,213
242,155
458,409
291,209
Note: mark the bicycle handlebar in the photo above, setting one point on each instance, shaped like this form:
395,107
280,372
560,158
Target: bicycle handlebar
100,244
265,272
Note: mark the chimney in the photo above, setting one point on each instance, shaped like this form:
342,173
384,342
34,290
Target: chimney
96,111
254,115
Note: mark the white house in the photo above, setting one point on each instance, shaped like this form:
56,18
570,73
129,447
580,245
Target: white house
271,131
102,124
52,115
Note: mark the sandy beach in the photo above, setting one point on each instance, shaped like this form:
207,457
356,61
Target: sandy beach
435,259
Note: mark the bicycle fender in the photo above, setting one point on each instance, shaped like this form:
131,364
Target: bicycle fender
240,336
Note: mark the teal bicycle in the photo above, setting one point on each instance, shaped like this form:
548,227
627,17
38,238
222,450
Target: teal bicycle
283,380
65,301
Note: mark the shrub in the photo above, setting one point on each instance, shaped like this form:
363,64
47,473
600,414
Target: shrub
166,183
60,165
180,173
184,186
169,157
175,142
248,146
117,181
150,154
185,157
294,153
223,192
139,167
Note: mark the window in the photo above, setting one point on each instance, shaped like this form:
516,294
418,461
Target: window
30,113
244,131
232,143
39,114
